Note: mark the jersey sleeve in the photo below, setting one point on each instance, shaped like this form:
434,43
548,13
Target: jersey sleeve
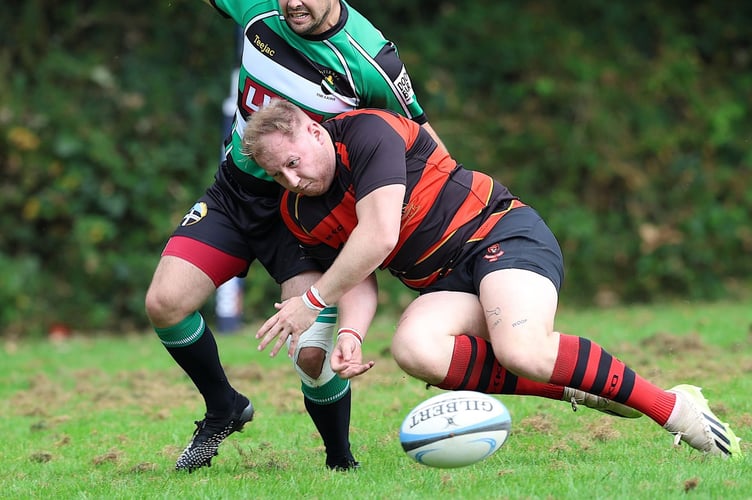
376,144
384,82
400,85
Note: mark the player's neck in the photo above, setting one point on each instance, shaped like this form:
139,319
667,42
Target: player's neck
333,17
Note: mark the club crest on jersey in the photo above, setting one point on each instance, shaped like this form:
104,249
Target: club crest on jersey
195,214
493,253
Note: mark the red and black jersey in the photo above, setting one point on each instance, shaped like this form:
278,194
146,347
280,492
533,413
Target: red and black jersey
446,207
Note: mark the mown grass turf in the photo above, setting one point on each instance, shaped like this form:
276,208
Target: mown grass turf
106,417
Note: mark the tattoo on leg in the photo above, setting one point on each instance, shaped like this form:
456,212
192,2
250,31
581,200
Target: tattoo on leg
494,312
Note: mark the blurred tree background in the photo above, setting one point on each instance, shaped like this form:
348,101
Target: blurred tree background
627,124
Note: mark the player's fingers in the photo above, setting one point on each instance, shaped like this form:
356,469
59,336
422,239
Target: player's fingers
346,355
275,330
266,327
267,338
281,341
356,370
292,345
336,361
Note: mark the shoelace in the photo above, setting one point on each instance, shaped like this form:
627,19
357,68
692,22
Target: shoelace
573,401
677,438
210,431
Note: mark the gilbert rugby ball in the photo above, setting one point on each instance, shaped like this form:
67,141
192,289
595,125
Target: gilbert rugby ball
455,429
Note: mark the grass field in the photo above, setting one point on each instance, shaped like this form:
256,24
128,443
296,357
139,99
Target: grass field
106,417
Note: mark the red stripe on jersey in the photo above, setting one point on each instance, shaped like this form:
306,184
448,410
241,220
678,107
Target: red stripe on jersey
343,155
469,209
489,223
332,231
299,232
407,129
335,230
420,283
432,181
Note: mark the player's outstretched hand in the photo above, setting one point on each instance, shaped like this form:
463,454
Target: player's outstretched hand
347,358
293,317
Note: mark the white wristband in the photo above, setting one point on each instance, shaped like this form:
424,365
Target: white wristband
351,332
312,299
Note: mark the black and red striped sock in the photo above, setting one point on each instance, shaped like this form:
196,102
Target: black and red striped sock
585,365
475,368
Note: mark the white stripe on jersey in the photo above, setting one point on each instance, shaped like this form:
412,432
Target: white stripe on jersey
289,84
403,99
344,64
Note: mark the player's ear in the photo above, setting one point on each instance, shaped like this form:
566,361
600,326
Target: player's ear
317,131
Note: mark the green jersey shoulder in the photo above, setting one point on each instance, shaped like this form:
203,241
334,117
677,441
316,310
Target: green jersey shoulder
350,66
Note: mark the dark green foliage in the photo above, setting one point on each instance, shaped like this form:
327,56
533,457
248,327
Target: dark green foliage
627,124
111,129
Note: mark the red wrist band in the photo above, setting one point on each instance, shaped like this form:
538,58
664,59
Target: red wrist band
350,331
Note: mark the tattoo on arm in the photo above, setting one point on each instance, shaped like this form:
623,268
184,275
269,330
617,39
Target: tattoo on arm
519,322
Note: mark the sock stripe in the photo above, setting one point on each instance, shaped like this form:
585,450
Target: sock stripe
185,333
627,386
510,382
332,391
328,315
580,368
601,375
486,367
471,362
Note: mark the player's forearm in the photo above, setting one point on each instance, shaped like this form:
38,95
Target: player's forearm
433,134
361,256
357,307
369,244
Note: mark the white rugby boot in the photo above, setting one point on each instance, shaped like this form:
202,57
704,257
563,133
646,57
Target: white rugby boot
693,422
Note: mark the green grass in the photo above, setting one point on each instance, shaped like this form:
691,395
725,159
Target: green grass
106,417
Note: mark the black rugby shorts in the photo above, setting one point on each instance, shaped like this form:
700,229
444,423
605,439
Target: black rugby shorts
520,240
243,221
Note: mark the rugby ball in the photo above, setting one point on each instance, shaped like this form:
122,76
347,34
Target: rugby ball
455,429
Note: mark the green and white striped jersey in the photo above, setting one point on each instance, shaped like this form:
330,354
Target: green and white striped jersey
350,66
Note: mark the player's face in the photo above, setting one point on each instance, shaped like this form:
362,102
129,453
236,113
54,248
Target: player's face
304,164
310,17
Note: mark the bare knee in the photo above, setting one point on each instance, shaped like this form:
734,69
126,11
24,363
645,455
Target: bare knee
530,360
177,289
161,309
416,361
297,285
311,361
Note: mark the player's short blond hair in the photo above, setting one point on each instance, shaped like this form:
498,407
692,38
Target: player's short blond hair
278,115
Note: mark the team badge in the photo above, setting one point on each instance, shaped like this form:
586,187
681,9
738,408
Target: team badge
195,214
493,253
